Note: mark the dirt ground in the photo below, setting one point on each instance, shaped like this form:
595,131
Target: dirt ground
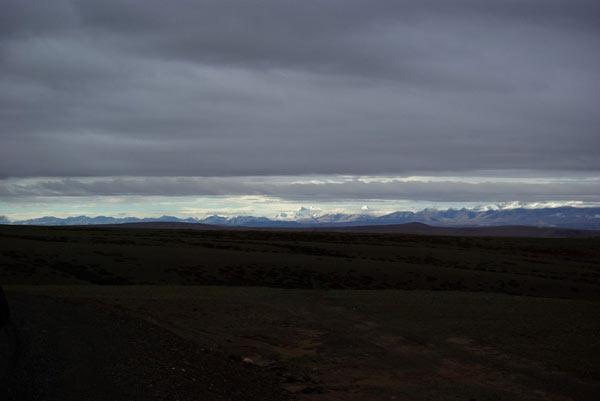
306,315
70,350
550,267
377,344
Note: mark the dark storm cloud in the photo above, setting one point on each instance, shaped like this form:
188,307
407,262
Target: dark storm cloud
218,88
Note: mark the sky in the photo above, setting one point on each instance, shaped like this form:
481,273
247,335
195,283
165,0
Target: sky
191,108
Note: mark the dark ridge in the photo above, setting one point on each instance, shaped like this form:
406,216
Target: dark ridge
492,231
414,228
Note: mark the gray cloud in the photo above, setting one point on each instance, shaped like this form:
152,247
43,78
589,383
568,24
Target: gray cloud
224,88
349,188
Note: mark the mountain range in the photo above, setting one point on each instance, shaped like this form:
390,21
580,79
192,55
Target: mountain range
564,217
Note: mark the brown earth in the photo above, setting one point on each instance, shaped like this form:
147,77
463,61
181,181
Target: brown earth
548,267
368,344
349,316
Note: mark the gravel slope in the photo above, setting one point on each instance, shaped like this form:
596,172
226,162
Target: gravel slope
78,351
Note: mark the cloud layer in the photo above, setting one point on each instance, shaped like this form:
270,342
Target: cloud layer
314,189
234,88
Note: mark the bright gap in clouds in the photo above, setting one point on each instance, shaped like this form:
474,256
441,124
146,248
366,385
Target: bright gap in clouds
199,207
282,197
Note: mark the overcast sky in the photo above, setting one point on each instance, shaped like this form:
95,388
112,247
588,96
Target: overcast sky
190,98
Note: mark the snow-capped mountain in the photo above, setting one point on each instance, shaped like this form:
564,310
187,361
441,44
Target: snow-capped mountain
302,214
567,217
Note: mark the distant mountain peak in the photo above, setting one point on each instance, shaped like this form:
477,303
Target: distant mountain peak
303,213
565,217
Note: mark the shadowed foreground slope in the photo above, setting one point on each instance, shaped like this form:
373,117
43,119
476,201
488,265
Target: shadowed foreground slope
485,318
76,350
325,345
